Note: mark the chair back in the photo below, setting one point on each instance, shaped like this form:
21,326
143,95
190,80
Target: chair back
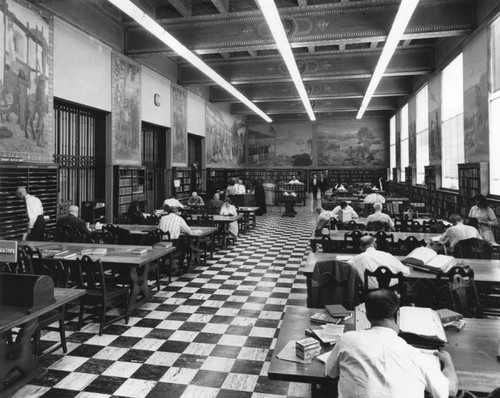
109,234
353,225
401,223
377,226
91,274
384,277
206,220
385,242
438,227
415,226
152,219
406,246
24,260
58,272
473,248
327,244
123,236
352,241
463,292
151,237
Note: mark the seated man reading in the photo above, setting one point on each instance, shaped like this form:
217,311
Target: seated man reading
344,208
72,220
195,200
459,231
377,363
378,216
371,259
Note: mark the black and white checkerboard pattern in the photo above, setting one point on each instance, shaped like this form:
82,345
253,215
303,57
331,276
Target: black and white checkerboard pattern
206,334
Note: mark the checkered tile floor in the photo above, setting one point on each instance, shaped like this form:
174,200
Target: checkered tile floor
206,334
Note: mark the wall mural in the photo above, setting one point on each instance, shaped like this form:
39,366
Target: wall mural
179,126
347,143
126,105
226,139
26,100
435,121
281,145
412,132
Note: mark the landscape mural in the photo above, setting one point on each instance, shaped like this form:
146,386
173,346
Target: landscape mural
225,138
126,94
280,145
348,143
26,110
435,121
179,126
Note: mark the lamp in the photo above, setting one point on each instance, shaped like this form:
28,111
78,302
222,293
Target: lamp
273,19
153,27
403,16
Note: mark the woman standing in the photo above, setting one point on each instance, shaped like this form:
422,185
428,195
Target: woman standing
485,217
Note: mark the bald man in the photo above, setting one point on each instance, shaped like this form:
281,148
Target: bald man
380,217
75,222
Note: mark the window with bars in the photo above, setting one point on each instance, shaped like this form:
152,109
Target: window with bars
79,151
422,127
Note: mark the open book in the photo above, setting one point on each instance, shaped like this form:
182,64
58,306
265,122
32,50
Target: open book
421,327
428,260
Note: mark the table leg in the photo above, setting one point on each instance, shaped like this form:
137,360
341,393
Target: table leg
194,245
18,362
139,286
313,245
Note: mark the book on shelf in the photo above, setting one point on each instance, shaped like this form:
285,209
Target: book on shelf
428,260
421,327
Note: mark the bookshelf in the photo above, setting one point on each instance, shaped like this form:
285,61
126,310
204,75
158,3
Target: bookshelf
128,183
183,176
408,175
41,181
472,180
430,177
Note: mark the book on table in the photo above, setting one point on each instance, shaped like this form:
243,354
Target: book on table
327,333
421,327
427,259
446,315
337,310
323,318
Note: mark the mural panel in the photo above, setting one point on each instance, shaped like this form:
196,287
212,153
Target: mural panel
281,145
347,143
179,126
476,135
126,94
435,121
412,131
226,139
26,100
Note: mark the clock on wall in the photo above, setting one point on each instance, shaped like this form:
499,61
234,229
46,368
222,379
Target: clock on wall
157,99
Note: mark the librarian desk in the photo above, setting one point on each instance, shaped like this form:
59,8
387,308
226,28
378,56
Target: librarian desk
117,257
25,359
338,236
473,351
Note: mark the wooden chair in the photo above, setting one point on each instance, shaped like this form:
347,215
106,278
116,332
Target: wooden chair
101,290
24,261
384,277
108,234
462,291
352,241
327,244
149,239
401,223
415,226
206,243
123,236
473,248
152,219
353,225
406,246
385,242
60,275
177,255
377,226
438,247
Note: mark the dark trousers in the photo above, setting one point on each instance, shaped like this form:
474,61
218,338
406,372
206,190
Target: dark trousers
315,191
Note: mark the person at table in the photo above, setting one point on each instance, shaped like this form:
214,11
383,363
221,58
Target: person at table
377,363
380,217
72,220
323,220
215,204
485,217
228,209
371,258
172,202
134,213
294,180
344,207
373,197
195,200
340,188
174,223
34,208
239,187
260,198
231,189
458,231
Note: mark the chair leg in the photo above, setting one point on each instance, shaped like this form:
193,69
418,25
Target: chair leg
103,316
158,276
62,330
80,314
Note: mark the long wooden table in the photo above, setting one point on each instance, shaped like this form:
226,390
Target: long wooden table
338,236
194,241
19,353
473,351
117,256
246,211
222,220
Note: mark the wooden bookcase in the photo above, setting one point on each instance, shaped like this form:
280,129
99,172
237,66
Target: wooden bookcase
473,178
128,186
183,176
408,175
40,180
430,177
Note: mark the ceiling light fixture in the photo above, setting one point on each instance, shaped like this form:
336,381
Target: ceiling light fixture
273,19
398,28
153,27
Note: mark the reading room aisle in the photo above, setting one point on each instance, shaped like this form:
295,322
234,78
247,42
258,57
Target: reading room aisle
207,334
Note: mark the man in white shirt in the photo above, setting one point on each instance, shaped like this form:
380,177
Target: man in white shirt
174,224
459,231
377,363
380,217
345,208
239,187
294,181
373,197
371,259
34,208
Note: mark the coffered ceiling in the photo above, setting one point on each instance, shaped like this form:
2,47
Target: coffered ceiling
336,44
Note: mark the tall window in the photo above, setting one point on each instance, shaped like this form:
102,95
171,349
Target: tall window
392,130
422,127
404,142
495,109
452,125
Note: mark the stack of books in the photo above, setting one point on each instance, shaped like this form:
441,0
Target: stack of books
334,313
307,348
326,334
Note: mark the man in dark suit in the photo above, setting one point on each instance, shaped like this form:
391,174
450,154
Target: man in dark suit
74,222
314,186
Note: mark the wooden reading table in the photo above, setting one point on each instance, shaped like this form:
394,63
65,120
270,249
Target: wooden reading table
473,351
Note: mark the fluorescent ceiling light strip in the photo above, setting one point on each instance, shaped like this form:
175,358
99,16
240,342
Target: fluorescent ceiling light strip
403,16
273,19
152,26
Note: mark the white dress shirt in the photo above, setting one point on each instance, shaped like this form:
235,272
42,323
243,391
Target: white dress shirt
336,211
459,232
371,259
34,209
378,363
230,210
174,224
381,217
373,198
